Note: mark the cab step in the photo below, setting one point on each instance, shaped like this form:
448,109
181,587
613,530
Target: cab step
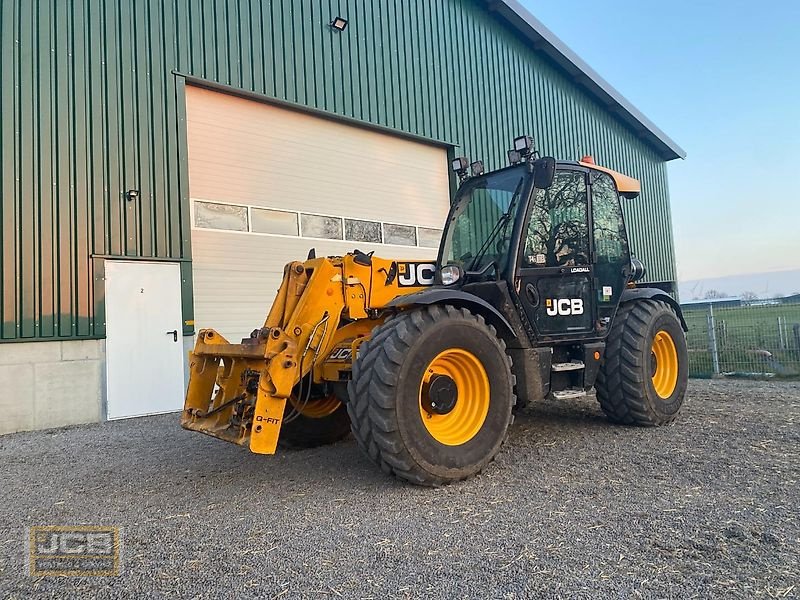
575,365
569,394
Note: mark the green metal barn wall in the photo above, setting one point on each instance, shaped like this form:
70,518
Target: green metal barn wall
91,107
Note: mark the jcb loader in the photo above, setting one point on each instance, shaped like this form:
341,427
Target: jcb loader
533,294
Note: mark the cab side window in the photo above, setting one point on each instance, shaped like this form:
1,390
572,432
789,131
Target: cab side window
610,245
558,229
610,242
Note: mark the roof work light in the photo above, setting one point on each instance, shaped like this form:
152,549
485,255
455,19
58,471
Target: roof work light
523,144
460,165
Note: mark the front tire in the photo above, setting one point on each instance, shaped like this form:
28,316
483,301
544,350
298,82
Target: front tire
431,395
317,422
644,375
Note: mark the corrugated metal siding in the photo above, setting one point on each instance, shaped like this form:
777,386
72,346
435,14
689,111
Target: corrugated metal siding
89,111
90,108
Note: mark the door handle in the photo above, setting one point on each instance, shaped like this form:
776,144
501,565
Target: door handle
174,334
532,294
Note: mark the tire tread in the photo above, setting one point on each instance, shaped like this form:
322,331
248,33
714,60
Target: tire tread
621,380
372,388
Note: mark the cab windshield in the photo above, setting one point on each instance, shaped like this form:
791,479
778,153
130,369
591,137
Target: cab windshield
480,226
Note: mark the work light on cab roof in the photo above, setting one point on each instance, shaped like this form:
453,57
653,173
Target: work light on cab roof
524,145
523,150
477,168
460,165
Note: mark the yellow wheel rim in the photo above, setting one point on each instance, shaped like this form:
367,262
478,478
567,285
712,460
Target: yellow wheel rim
316,409
665,364
460,424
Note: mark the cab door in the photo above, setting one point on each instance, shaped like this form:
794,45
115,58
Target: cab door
612,258
555,276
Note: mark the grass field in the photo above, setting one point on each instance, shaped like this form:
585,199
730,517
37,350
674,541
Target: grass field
751,340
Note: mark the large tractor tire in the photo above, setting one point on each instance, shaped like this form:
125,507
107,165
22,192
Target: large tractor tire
431,396
643,378
315,422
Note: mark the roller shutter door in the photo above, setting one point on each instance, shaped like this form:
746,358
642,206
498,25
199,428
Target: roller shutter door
268,183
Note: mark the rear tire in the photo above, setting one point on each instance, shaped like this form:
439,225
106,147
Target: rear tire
390,407
633,385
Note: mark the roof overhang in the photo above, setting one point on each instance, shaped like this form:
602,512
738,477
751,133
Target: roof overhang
546,41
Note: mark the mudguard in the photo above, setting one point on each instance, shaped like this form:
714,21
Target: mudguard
456,297
631,294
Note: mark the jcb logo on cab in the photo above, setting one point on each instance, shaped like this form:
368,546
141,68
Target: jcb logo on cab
564,307
416,274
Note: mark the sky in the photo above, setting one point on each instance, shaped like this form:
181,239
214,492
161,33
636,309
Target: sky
722,79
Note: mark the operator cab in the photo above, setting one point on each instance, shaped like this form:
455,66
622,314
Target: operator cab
550,234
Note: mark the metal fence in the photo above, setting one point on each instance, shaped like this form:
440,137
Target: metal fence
756,340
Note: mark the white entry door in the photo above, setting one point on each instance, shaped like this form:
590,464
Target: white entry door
144,340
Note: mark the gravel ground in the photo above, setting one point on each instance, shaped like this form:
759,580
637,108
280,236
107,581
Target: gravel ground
573,507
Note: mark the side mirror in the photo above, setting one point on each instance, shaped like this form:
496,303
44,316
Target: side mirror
544,171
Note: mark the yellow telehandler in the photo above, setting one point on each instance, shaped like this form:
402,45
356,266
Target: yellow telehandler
533,294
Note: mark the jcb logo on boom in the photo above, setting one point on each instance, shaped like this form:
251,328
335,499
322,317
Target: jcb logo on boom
416,274
564,307
341,355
